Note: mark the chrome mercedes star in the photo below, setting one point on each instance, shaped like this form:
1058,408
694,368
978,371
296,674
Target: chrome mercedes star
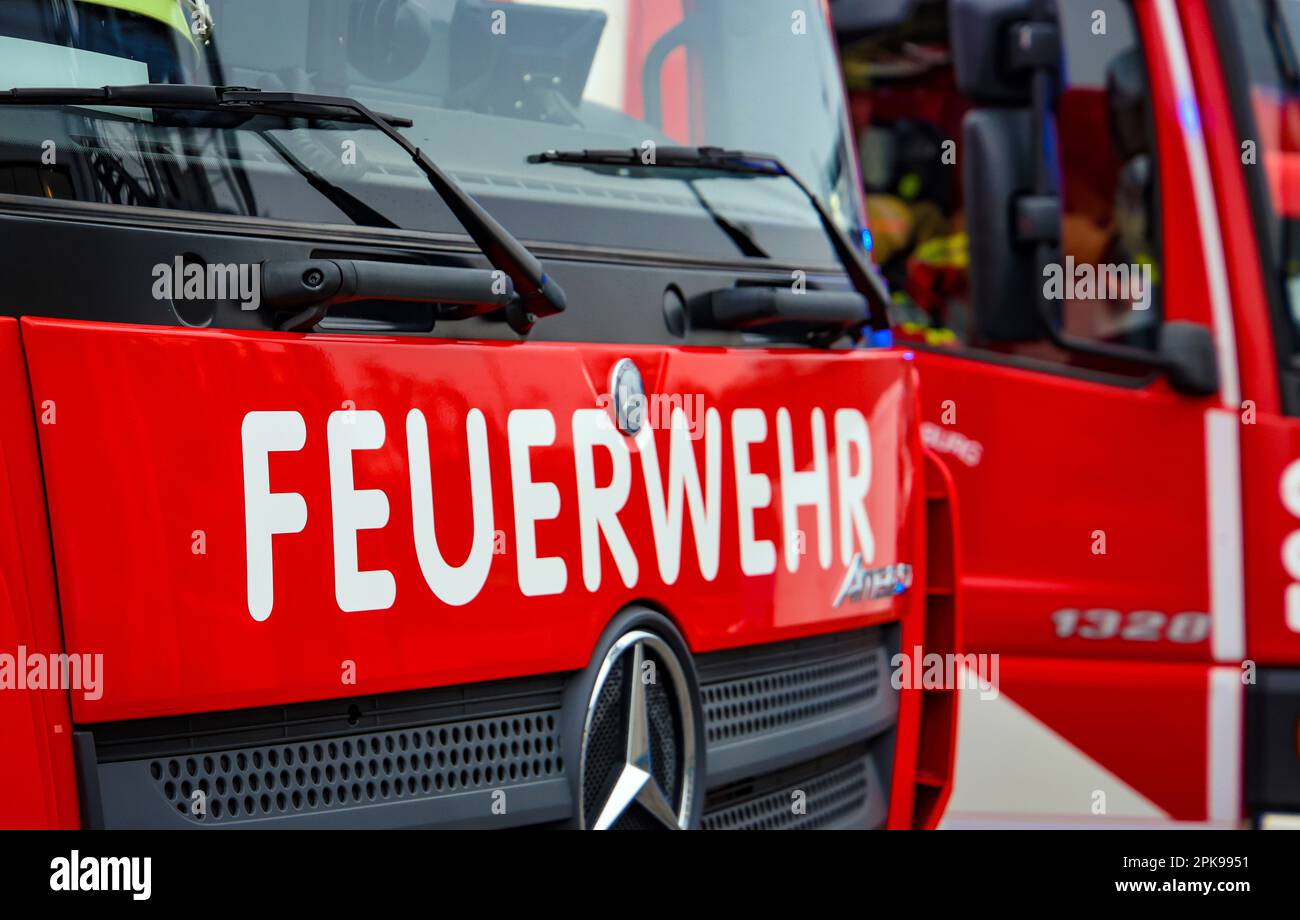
636,782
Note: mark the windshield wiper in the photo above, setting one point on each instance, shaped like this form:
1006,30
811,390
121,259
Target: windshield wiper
739,235
537,295
357,210
201,98
738,162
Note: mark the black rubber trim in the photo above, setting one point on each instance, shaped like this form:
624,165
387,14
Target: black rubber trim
1273,741
89,796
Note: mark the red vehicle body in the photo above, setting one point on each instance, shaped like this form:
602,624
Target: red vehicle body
241,520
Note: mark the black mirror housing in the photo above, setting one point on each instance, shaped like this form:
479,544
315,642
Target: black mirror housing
1189,359
997,171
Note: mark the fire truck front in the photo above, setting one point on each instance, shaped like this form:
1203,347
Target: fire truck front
427,414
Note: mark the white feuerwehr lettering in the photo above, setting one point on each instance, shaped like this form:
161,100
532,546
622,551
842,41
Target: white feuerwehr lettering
534,501
598,506
753,491
267,513
452,584
682,489
704,504
804,488
853,438
350,430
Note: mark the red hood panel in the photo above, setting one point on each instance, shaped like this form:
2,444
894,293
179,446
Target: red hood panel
210,545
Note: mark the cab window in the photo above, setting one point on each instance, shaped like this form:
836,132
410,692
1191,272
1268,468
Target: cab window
1104,285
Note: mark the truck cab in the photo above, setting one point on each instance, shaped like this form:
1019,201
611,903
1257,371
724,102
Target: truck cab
1085,212
370,461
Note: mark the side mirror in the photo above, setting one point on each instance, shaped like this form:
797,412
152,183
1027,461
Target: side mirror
997,171
1012,203
1007,53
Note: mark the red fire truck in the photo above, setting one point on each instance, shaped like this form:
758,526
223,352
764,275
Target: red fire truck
331,503
1120,471
441,416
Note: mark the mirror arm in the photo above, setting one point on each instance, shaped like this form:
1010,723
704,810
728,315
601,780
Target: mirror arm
652,70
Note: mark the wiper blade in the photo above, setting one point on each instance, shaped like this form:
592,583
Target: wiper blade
190,96
716,158
743,239
537,294
357,210
739,162
208,98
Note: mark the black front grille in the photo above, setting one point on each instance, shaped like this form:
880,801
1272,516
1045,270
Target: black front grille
480,755
772,706
811,718
842,790
293,779
748,706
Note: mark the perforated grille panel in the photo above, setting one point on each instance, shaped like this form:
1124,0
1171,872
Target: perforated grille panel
748,706
313,776
664,722
605,746
820,801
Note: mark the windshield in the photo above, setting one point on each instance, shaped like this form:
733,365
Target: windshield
486,85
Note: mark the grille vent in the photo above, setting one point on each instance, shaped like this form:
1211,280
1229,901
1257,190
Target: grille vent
828,799
312,776
744,707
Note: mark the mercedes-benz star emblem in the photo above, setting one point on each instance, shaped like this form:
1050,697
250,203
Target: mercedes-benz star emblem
638,765
628,393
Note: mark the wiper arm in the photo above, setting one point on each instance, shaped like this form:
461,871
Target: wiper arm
537,294
197,97
743,239
738,162
357,210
